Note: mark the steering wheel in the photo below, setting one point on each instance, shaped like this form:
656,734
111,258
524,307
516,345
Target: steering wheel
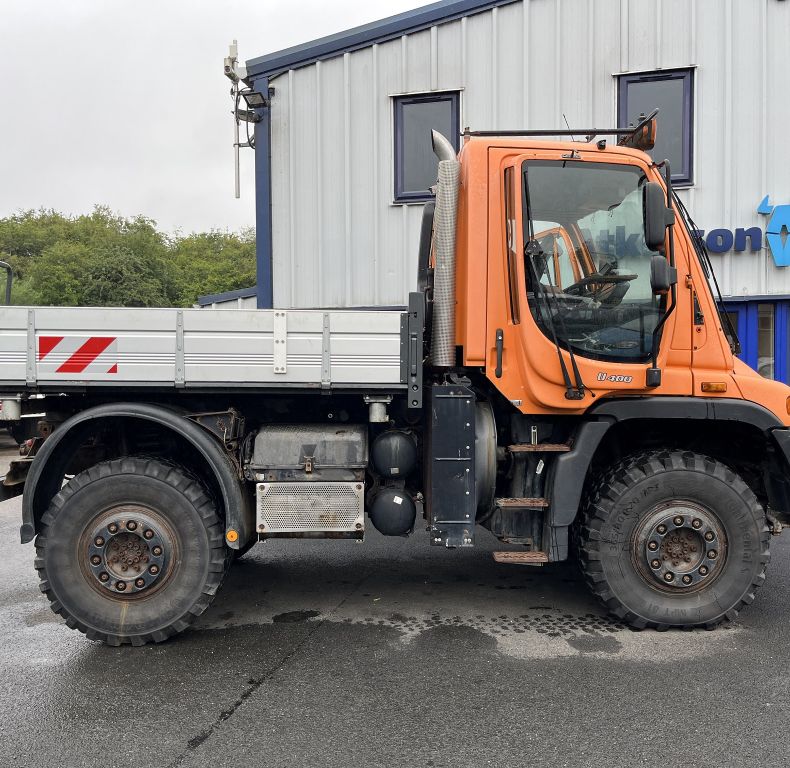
598,277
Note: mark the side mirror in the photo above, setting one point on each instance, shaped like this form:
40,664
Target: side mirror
657,216
662,275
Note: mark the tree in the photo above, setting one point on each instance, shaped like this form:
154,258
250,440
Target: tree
103,259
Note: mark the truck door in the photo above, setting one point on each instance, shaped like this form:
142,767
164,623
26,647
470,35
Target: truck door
582,308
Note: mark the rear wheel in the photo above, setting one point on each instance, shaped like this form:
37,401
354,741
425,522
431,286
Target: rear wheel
673,539
131,551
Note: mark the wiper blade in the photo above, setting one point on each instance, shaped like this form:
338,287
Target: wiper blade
533,249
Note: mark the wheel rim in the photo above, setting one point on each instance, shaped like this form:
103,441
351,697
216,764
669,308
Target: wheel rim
128,552
680,547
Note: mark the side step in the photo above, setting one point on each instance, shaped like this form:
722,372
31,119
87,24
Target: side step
521,558
523,503
539,448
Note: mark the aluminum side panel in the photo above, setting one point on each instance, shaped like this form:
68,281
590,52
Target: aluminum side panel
195,347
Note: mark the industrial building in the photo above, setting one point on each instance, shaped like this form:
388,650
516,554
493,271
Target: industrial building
343,160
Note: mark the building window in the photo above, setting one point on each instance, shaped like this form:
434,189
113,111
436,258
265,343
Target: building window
415,164
765,341
764,333
672,92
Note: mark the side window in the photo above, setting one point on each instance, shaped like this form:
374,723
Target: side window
415,118
512,248
561,268
672,91
592,291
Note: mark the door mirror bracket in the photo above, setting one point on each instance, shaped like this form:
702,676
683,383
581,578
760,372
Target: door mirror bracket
662,275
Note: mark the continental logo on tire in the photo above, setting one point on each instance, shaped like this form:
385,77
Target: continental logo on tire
77,354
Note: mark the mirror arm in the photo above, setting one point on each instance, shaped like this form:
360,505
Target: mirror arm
653,376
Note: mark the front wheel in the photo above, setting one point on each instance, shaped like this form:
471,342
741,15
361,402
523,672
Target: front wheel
673,539
131,551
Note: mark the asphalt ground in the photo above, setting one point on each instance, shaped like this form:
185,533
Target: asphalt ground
392,653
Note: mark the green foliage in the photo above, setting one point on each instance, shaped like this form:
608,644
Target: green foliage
104,259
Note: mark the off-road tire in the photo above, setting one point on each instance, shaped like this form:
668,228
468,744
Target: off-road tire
199,561
619,503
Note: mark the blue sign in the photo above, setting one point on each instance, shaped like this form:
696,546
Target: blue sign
777,235
776,231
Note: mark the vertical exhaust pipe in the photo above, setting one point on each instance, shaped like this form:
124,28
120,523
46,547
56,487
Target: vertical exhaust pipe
443,331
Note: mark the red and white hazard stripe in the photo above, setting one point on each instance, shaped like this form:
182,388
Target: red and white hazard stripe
88,355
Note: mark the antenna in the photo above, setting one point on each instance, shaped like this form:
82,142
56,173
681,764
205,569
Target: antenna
568,125
236,75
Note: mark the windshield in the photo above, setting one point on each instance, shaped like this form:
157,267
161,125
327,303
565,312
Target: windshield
593,267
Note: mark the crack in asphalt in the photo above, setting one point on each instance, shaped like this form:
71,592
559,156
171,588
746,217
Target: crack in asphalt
256,682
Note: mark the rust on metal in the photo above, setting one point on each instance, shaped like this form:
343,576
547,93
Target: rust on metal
521,558
539,447
525,503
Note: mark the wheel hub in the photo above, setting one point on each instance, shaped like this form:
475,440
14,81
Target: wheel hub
681,547
127,552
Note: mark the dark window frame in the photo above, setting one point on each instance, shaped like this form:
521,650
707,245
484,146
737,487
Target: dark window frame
402,195
683,176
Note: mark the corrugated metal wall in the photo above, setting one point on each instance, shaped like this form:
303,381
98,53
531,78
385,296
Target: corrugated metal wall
339,240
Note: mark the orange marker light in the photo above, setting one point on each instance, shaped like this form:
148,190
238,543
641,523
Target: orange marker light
714,386
232,535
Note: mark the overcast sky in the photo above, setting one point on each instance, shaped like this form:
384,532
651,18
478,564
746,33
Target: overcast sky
123,102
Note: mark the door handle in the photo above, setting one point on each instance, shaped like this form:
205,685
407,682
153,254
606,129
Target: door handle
499,345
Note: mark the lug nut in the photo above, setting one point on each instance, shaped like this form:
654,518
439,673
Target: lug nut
696,523
96,560
709,536
120,585
669,576
99,541
131,525
703,570
678,520
713,554
104,576
652,546
686,579
157,551
154,569
139,583
149,534
655,563
113,527
662,529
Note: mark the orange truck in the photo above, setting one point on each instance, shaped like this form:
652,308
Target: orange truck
563,377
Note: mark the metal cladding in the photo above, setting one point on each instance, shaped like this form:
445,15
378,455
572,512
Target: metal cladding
96,346
443,339
332,207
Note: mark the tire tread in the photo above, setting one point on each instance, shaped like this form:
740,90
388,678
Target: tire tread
599,504
177,476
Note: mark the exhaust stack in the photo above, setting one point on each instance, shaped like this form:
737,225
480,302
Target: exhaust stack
443,333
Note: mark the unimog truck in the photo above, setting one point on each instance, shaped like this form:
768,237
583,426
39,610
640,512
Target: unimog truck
563,377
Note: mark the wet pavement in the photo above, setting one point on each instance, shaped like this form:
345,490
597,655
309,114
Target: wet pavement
392,653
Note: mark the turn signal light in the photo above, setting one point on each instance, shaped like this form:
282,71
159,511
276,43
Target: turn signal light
714,386
232,535
787,405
